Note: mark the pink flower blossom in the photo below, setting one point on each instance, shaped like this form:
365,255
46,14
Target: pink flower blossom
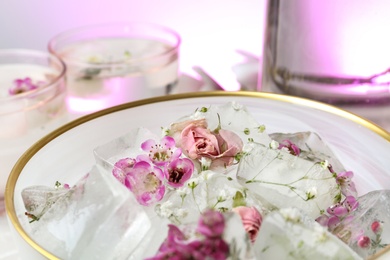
122,167
251,219
163,152
198,141
291,147
179,171
146,182
207,244
211,224
344,179
21,86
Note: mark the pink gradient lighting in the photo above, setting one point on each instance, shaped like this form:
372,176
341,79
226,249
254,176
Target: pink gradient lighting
338,37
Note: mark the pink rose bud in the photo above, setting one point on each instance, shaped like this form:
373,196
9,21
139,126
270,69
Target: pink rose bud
364,242
251,219
376,227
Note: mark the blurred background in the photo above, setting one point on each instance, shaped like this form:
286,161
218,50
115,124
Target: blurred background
211,31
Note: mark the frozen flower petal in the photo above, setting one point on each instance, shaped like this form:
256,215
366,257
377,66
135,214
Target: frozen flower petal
146,182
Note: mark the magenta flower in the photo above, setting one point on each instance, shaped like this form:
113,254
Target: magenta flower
21,86
146,182
291,147
211,224
344,179
179,171
162,153
208,243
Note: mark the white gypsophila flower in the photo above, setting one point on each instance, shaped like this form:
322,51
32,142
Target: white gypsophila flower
205,163
324,164
222,195
291,214
206,175
164,131
247,147
166,209
274,145
193,182
321,233
311,193
181,213
183,191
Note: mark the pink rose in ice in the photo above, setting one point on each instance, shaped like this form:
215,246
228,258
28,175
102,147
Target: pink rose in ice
197,141
251,219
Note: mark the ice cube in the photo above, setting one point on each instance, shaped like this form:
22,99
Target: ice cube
208,190
98,218
367,229
312,147
289,234
282,179
128,145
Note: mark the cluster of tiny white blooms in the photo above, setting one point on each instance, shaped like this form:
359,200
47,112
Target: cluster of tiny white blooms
273,145
321,234
291,215
180,213
166,209
324,164
311,193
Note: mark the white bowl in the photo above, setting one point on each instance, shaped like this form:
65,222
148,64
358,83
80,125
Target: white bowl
67,153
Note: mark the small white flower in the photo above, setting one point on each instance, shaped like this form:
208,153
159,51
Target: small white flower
205,163
291,215
324,164
274,145
321,233
183,191
181,213
311,193
193,182
164,131
222,196
166,209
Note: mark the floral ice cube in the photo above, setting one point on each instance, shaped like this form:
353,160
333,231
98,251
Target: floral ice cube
232,116
311,146
289,234
96,219
367,229
281,179
208,190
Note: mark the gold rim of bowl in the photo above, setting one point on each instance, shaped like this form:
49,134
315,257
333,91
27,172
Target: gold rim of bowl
10,187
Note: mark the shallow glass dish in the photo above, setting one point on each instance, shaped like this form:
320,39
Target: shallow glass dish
360,145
